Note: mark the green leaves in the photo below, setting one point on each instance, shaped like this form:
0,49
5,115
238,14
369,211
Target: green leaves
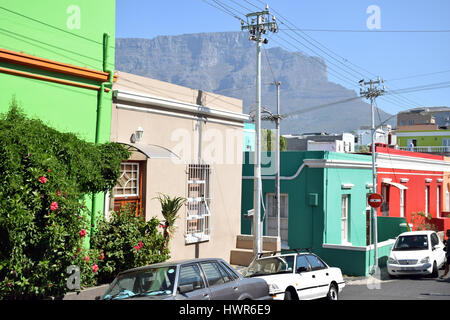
40,218
170,207
127,241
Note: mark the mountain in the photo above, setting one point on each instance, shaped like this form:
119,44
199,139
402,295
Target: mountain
225,63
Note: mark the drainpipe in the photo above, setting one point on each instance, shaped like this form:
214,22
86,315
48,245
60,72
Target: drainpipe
101,91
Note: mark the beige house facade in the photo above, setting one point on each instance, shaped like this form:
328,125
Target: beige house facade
187,143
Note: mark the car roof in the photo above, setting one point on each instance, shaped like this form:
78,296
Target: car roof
417,233
284,255
170,263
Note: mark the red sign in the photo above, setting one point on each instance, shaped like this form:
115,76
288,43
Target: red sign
375,200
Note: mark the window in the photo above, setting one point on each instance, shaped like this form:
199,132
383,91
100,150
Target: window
199,203
272,205
438,202
316,263
402,203
225,275
272,219
128,183
302,263
212,273
230,272
190,274
434,240
447,198
411,122
427,199
128,190
446,144
344,218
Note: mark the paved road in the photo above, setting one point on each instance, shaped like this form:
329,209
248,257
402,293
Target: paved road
404,288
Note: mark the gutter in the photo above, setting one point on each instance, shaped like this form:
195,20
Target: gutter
175,105
103,85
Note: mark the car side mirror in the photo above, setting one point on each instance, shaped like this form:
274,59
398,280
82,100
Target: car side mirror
186,288
302,269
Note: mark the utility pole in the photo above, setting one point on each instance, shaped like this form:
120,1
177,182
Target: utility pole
277,162
258,23
372,92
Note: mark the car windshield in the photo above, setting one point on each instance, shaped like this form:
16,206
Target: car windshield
411,242
146,282
269,266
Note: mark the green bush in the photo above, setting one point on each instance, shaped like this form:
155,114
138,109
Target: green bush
45,175
126,241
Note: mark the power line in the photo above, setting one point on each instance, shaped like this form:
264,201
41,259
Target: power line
398,98
368,31
52,26
223,9
418,76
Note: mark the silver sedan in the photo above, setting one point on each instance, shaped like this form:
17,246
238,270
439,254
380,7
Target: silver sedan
195,279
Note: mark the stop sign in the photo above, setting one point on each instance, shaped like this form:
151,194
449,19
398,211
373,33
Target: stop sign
375,200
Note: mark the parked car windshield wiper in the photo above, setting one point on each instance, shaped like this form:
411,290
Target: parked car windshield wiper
152,293
125,294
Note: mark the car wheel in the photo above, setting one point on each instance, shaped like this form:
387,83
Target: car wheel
435,272
287,295
333,293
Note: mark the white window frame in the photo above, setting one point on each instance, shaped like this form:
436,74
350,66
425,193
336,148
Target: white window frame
427,198
447,198
345,213
198,208
136,170
438,201
402,203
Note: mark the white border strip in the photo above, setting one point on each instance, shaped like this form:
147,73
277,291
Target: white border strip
179,106
357,248
176,114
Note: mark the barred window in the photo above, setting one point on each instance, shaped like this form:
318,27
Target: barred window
198,212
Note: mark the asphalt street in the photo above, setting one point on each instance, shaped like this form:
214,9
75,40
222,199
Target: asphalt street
403,288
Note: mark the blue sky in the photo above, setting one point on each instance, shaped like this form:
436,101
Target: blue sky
349,55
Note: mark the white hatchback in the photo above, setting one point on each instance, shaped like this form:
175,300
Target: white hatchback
416,252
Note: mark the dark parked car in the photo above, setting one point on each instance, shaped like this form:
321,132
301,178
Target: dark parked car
195,279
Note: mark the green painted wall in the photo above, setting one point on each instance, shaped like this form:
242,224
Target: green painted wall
310,226
43,29
423,141
67,31
390,227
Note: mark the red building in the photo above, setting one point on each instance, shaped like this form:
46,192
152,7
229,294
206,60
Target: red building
411,183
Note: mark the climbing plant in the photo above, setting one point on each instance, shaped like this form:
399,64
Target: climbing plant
45,176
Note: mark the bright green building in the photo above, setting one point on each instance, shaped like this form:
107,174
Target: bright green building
57,59
323,207
430,141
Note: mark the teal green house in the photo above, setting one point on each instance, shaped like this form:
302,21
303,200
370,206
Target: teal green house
323,199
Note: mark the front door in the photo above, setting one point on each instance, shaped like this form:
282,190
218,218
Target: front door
272,219
385,193
129,187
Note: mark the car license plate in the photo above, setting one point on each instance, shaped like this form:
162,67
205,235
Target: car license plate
409,269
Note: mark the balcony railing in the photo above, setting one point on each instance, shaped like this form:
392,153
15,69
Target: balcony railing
428,149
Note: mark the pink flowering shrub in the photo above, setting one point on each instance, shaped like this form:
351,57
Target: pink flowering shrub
127,241
45,175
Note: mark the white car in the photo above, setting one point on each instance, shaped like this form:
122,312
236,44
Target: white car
297,276
416,252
